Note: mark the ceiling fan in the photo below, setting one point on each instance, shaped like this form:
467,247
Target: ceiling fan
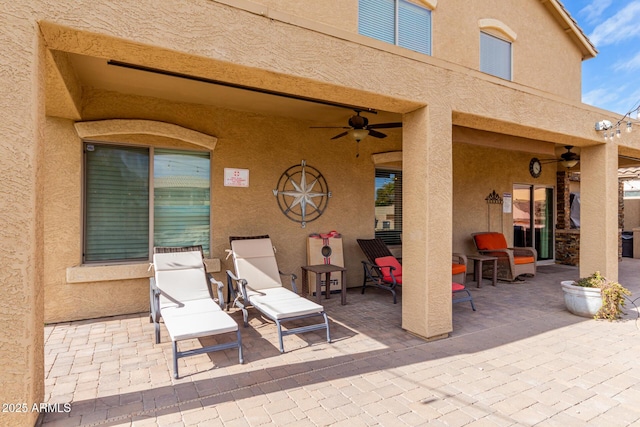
359,127
567,160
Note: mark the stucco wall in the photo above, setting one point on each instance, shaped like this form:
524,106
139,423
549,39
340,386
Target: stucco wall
456,37
337,13
228,42
267,146
631,214
367,73
540,40
21,271
479,170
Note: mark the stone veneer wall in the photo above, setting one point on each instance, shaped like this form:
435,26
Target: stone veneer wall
620,216
568,239
568,246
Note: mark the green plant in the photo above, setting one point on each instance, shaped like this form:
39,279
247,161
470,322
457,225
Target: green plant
613,295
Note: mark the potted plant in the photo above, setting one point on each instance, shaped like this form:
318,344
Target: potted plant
595,296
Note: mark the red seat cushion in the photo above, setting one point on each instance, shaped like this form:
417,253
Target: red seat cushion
458,269
489,241
455,287
385,263
523,260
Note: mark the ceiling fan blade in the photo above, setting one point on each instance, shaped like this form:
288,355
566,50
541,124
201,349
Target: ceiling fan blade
329,127
376,134
340,135
385,125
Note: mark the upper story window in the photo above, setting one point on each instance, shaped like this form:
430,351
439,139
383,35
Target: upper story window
496,41
495,56
139,197
400,22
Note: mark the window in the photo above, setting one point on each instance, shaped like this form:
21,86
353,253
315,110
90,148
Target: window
130,190
388,208
495,56
398,22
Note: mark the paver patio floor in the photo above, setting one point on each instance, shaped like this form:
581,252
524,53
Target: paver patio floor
520,360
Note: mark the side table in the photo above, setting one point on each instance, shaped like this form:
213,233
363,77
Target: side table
477,267
325,269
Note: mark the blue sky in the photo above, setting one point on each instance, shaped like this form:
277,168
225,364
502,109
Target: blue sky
611,80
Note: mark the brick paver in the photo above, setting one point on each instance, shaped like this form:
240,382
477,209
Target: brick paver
520,360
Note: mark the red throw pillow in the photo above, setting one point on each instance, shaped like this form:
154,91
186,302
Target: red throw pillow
490,241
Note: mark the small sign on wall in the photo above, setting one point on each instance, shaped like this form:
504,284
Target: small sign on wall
507,202
234,177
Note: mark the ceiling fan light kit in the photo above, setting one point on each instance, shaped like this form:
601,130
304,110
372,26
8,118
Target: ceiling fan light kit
359,134
359,127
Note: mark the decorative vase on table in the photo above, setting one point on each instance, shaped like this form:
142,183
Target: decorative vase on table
580,300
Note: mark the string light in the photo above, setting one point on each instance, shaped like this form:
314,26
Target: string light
605,125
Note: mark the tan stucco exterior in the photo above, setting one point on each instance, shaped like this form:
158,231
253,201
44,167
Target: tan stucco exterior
464,134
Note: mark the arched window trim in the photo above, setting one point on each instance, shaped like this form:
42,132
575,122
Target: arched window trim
98,128
497,28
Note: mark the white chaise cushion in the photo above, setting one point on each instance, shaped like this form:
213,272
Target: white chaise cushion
281,303
181,277
197,318
255,261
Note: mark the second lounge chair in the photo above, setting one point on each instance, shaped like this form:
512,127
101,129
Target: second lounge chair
256,282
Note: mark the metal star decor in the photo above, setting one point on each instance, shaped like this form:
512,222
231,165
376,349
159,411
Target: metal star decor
302,193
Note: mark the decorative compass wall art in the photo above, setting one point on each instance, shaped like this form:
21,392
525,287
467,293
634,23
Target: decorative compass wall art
302,193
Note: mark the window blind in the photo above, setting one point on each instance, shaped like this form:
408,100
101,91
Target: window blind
377,19
388,206
181,198
414,27
397,22
495,56
116,203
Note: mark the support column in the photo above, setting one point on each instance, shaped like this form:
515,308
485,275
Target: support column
599,210
21,278
427,210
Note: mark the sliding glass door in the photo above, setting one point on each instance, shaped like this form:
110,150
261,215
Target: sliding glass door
533,215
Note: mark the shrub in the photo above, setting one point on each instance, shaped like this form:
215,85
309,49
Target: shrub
613,295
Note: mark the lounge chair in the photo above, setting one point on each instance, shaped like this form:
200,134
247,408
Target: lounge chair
386,273
512,262
256,282
375,249
180,294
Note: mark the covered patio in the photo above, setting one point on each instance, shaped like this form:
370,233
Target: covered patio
521,359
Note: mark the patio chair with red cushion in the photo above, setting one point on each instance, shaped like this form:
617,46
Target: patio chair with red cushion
459,268
386,273
512,262
376,248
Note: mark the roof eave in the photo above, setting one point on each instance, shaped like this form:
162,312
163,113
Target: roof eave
571,27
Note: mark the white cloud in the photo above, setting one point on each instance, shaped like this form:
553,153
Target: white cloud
600,97
593,11
631,64
616,98
621,26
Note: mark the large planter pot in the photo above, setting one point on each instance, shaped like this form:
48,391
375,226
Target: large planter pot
581,301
